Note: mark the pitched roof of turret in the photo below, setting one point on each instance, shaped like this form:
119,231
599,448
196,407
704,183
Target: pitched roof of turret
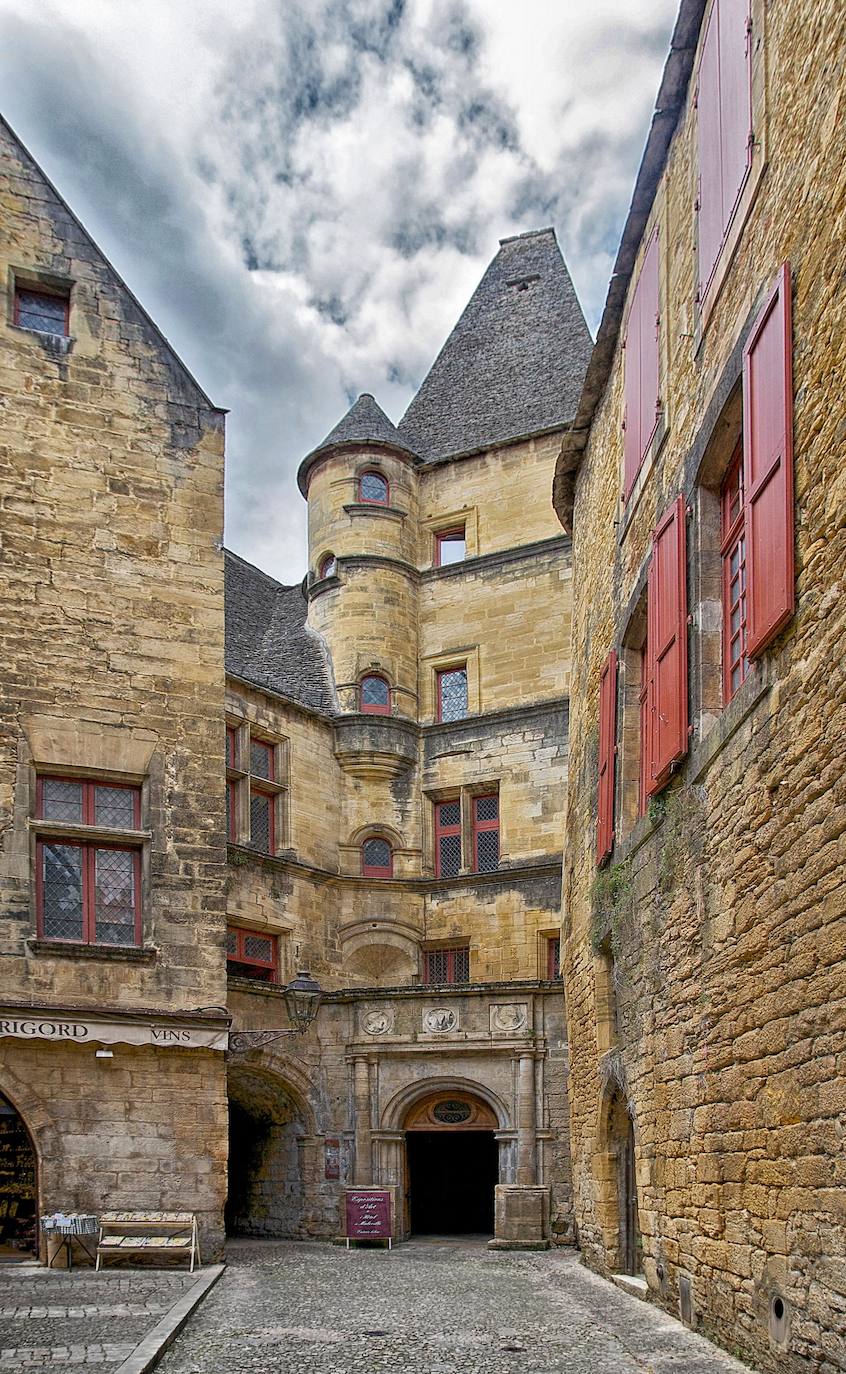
514,363
364,423
268,642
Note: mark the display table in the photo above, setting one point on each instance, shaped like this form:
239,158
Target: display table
144,1233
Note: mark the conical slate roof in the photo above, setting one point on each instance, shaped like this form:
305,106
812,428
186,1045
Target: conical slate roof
364,423
514,363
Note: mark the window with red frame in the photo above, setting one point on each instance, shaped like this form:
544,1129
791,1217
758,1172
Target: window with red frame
377,858
328,566
88,890
373,489
251,954
262,799
446,965
733,554
450,546
553,958
451,692
448,838
47,312
375,695
486,834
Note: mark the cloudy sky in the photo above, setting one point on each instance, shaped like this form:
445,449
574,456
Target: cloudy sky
304,193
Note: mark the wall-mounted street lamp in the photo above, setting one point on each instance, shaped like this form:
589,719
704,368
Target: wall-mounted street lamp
302,999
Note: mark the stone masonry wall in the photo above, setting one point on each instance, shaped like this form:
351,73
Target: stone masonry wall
718,928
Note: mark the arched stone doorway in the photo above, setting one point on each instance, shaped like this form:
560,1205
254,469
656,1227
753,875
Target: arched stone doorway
452,1164
268,1121
18,1186
618,1186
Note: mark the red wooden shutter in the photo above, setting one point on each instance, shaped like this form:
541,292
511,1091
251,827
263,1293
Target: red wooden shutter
735,102
648,291
709,201
631,418
641,368
768,467
667,637
607,750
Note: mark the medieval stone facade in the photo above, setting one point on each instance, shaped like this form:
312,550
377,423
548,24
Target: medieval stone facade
382,750
704,926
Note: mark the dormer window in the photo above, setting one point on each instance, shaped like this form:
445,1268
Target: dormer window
373,489
375,695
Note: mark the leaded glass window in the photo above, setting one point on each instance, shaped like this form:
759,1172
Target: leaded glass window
452,694
373,488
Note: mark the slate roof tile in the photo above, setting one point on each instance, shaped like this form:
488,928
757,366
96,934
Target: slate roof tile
268,642
514,363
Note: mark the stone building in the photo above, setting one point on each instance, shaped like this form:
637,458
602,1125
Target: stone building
112,798
397,752
203,773
704,484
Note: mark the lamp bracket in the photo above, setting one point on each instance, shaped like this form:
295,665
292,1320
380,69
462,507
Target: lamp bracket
241,1042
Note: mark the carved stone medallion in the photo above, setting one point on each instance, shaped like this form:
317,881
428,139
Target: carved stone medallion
509,1016
439,1019
378,1022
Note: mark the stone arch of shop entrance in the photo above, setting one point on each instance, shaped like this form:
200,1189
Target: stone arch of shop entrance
617,1183
19,1176
270,1117
451,1168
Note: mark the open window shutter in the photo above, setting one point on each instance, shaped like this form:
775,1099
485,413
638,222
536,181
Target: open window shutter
648,293
709,200
768,467
735,102
631,437
607,750
667,639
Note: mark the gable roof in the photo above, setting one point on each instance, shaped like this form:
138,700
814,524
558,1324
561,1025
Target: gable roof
513,365
5,127
268,642
364,423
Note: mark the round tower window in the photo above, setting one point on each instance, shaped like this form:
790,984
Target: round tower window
373,488
375,695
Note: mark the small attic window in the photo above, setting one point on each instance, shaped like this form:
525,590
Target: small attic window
328,566
47,312
523,283
373,489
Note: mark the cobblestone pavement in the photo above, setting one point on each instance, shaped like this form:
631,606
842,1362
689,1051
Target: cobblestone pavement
55,1319
427,1308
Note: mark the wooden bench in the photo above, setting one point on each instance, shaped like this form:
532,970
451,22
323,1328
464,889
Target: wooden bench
143,1233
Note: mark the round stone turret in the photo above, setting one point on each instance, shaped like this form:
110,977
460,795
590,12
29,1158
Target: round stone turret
361,488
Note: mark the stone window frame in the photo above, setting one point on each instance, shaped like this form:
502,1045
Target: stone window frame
41,283
440,674
461,656
242,785
549,945
91,839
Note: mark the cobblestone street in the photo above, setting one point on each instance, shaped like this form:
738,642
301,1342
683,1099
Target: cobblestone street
427,1308
52,1319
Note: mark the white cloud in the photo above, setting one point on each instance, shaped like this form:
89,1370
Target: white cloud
304,193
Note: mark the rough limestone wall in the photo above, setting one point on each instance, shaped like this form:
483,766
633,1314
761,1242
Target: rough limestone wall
144,1130
725,908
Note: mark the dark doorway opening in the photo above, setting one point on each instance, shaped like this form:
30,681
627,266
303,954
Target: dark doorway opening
452,1176
265,1193
629,1229
18,1186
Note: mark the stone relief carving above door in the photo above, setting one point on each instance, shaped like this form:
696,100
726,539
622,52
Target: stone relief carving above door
378,1021
437,1020
509,1017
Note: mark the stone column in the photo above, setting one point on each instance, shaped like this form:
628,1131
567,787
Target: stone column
363,1138
526,1121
